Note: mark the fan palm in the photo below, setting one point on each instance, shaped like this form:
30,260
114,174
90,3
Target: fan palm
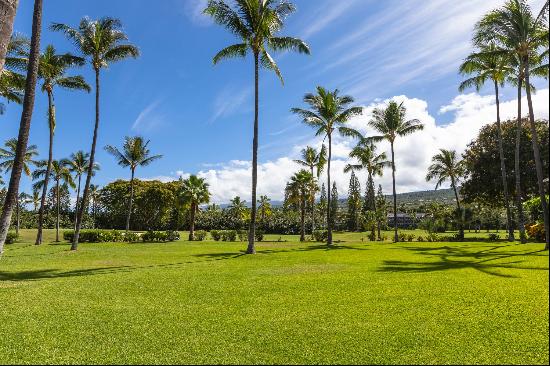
78,165
316,162
256,23
299,189
194,192
134,153
60,174
102,42
447,167
8,9
515,28
491,64
329,112
24,125
390,122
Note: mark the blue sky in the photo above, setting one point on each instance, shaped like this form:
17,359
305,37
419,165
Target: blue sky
199,116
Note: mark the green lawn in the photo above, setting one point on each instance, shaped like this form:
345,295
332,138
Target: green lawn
360,302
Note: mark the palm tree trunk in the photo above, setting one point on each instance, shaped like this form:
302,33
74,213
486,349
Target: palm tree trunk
536,151
74,245
24,126
8,8
509,225
17,220
460,224
48,172
303,217
396,236
77,198
130,201
329,193
519,205
192,226
57,200
312,207
252,229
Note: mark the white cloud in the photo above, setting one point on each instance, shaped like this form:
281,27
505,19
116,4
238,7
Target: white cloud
230,101
148,118
193,9
325,16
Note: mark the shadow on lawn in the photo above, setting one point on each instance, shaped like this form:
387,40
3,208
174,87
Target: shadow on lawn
444,258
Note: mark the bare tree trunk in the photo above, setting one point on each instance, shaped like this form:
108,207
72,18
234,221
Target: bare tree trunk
519,204
536,151
460,224
329,193
48,172
396,236
192,228
303,217
130,201
77,199
8,8
57,215
252,229
24,126
82,209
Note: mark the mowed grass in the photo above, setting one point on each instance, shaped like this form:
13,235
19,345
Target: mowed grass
407,303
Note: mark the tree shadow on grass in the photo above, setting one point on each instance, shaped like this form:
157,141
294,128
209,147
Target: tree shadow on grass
445,258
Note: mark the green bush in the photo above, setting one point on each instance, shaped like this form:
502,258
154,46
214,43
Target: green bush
172,235
432,237
494,237
131,237
536,232
216,235
200,235
420,238
243,235
259,235
11,238
320,235
372,236
402,237
410,237
68,236
229,235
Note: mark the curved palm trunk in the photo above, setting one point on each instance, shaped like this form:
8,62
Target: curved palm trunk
192,228
8,9
329,193
48,172
74,245
396,236
460,224
17,219
519,205
538,163
57,214
509,225
130,201
77,199
303,217
252,229
312,207
24,126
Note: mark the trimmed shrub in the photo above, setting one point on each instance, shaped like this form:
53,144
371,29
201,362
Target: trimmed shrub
200,235
402,237
11,237
172,235
68,236
216,235
410,237
372,236
229,235
320,235
259,235
243,235
131,237
432,237
494,237
536,232
420,238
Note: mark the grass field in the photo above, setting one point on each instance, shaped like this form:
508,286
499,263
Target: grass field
420,303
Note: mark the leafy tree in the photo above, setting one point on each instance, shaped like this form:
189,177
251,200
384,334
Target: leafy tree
354,203
329,112
390,123
194,192
334,204
134,153
256,24
300,189
101,42
264,208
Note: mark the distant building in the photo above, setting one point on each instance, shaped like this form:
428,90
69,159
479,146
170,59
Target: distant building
406,221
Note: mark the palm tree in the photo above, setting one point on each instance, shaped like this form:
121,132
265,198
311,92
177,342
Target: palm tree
102,42
299,190
515,28
490,64
390,123
8,9
60,174
52,71
264,208
316,162
12,83
78,165
329,112
94,197
35,200
238,209
256,24
194,192
446,166
24,125
134,153
8,156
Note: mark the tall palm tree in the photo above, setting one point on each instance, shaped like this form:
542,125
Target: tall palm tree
8,156
194,192
515,28
329,112
52,70
315,161
24,125
447,166
298,191
134,153
256,23
78,165
489,63
101,42
390,122
8,9
60,174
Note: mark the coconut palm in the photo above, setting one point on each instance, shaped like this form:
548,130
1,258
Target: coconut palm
315,161
78,165
329,112
134,153
101,42
489,63
60,174
515,28
390,122
238,209
12,83
256,24
8,9
24,125
446,166
34,199
264,208
194,192
8,156
299,190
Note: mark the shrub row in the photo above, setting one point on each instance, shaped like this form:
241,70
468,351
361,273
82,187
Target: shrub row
114,236
11,238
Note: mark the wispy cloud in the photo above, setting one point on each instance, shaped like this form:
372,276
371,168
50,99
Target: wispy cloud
193,9
230,101
326,15
149,118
